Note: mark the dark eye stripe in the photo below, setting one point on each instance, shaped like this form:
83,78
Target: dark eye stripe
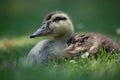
59,18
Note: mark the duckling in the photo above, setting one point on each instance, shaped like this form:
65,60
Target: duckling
85,44
58,25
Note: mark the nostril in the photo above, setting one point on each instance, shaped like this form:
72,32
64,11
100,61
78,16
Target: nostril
43,27
32,36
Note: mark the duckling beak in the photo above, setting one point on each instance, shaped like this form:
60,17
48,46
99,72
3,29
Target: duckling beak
43,31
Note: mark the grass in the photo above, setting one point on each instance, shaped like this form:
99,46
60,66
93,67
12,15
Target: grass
13,51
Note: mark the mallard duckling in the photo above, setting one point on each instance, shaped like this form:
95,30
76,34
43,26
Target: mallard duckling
85,44
57,25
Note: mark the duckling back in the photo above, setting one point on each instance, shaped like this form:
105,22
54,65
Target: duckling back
90,43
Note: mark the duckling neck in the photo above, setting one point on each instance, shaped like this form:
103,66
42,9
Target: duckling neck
63,38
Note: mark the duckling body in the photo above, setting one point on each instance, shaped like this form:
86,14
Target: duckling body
90,43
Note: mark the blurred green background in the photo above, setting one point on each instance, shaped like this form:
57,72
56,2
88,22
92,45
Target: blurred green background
20,18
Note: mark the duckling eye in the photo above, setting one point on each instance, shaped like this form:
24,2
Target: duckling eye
58,19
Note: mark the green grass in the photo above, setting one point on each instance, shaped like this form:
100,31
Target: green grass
13,51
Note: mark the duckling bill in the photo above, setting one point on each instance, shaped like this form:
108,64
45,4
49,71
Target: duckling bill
44,30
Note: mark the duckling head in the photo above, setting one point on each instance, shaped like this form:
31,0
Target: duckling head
56,24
